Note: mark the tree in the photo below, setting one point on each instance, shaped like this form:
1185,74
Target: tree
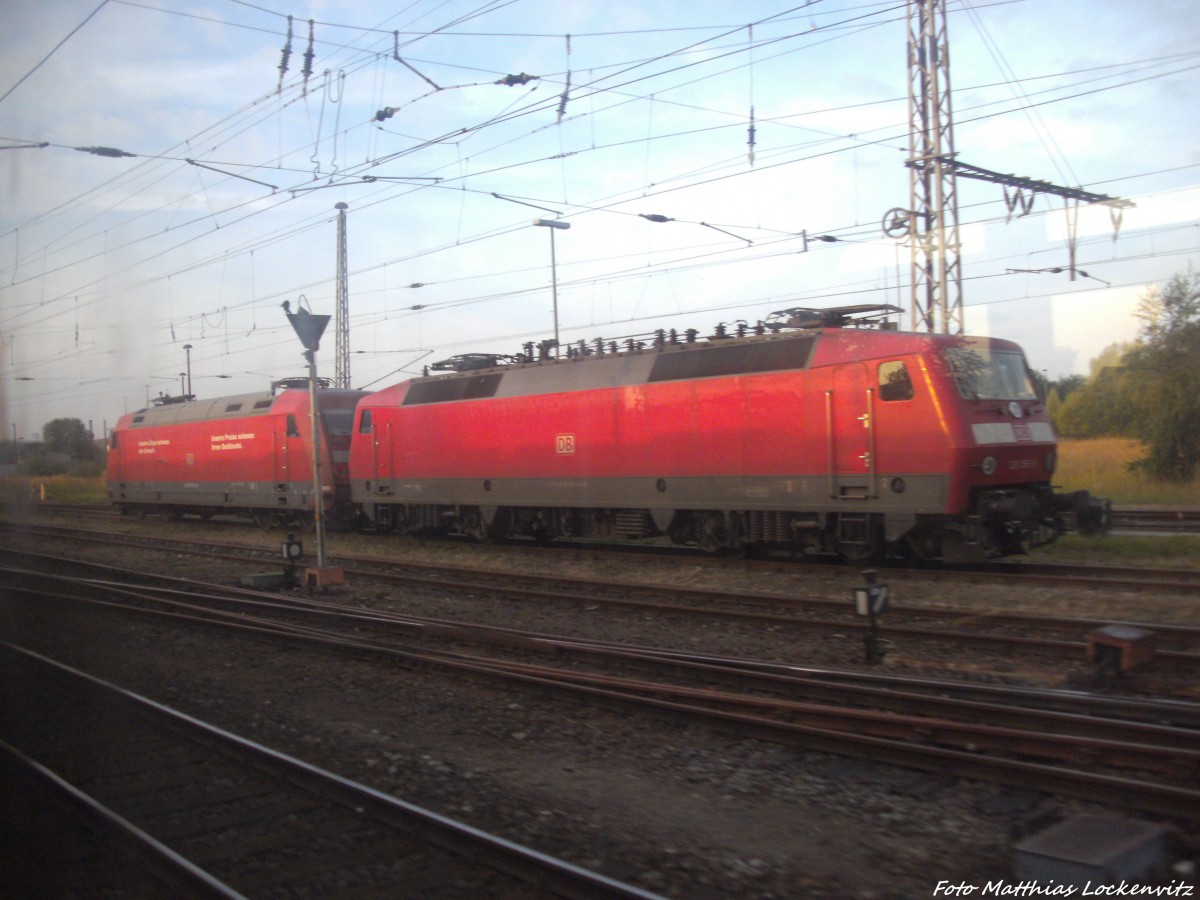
1053,404
1165,367
69,436
1056,393
1101,405
1068,385
1105,406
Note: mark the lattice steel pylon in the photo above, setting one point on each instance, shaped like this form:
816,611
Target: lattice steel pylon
933,214
341,371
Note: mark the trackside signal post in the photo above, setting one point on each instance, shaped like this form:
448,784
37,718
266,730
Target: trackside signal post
309,329
871,601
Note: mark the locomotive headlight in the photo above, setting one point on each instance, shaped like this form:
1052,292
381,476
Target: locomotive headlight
988,465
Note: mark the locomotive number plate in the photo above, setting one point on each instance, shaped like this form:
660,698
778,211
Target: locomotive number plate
564,444
1021,431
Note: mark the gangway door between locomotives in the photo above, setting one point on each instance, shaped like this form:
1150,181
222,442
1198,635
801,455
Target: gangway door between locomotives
285,439
850,430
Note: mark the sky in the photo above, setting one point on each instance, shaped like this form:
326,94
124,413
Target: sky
447,127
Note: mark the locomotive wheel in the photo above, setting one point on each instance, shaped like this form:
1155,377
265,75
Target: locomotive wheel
860,551
473,526
857,553
711,534
682,529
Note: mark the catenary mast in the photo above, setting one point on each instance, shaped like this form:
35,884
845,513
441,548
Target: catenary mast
341,371
931,221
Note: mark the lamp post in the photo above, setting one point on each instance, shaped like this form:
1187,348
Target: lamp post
553,225
187,348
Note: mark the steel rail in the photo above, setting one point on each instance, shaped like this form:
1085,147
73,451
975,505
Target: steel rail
1010,571
558,589
899,689
324,789
927,733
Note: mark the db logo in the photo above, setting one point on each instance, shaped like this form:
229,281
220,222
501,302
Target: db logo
564,444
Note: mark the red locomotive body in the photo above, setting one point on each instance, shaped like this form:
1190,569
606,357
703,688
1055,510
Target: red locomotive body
822,439
249,454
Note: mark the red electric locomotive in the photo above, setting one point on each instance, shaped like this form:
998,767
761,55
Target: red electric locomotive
803,433
250,454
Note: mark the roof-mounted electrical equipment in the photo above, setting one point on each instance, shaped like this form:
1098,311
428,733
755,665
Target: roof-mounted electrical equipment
469,362
868,315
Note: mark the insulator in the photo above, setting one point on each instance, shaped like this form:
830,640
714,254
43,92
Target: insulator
513,80
308,54
287,55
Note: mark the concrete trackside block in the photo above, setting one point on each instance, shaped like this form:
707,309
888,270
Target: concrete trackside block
1132,646
263,580
1096,849
324,576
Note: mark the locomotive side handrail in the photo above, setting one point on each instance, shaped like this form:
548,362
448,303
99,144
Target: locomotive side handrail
872,493
830,444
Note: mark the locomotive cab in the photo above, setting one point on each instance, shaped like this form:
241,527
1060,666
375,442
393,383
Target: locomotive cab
1007,457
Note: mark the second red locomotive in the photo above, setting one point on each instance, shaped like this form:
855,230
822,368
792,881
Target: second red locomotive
807,434
250,454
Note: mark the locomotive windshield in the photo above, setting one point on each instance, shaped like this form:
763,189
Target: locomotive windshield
983,374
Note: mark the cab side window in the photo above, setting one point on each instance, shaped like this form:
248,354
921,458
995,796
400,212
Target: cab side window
292,430
894,382
364,422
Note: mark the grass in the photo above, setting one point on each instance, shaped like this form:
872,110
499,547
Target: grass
1100,466
19,490
1180,551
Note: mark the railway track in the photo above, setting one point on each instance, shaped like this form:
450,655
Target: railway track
212,814
1010,572
1170,521
940,631
1123,519
1136,755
